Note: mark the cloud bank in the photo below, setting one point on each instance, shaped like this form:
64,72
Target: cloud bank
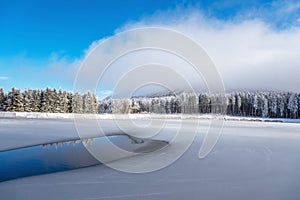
250,54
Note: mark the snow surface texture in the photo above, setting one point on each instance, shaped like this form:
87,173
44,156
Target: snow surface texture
252,160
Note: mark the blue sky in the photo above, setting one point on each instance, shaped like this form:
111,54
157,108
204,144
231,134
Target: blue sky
38,37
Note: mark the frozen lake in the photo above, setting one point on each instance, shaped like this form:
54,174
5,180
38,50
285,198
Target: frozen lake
252,160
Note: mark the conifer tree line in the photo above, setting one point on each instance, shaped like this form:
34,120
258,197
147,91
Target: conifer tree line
48,100
254,104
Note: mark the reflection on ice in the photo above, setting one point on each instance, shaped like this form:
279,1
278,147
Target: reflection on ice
66,155
84,141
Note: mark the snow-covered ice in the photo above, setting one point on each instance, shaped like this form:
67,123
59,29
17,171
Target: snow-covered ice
252,160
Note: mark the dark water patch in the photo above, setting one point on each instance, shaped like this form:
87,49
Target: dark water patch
68,155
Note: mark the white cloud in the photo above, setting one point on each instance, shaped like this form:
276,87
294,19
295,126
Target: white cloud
250,54
288,7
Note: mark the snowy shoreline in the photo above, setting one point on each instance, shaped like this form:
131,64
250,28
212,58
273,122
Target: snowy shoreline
37,115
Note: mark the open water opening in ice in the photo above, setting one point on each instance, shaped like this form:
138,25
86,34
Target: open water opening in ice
66,155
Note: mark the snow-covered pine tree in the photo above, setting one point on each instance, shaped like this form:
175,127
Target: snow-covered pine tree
212,103
273,104
135,106
88,103
62,101
153,108
58,102
120,106
293,106
162,103
233,100
265,107
43,102
246,104
157,106
77,103
17,101
227,103
149,104
102,106
172,104
219,104
204,103
45,105
70,102
168,105
298,97
54,101
192,103
178,104
8,100
105,106
36,100
2,97
255,105
95,104
108,106
281,105
239,104
28,100
184,102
